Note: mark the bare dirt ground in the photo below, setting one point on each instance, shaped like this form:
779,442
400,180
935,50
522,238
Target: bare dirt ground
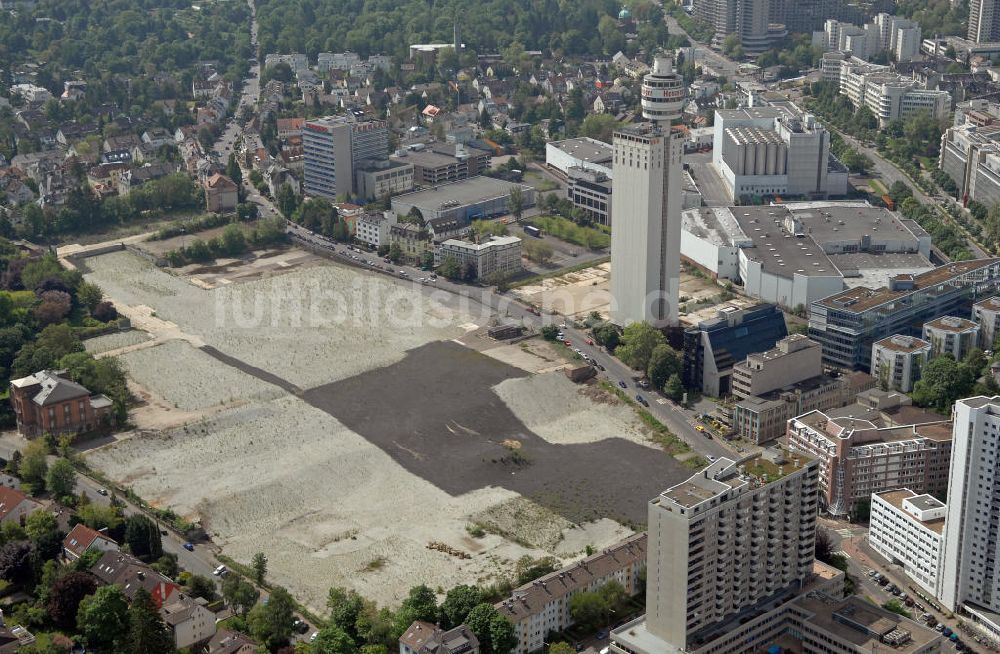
343,449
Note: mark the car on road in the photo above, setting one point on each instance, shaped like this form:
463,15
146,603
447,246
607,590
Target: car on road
699,428
601,368
314,636
220,571
641,400
299,626
189,547
622,384
711,459
102,491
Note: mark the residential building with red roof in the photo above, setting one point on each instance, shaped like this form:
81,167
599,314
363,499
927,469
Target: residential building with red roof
82,539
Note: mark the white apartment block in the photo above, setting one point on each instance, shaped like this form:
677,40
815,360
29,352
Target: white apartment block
987,314
542,606
499,255
894,34
297,62
373,228
984,21
970,576
907,527
951,335
970,151
888,95
729,537
327,61
189,621
897,361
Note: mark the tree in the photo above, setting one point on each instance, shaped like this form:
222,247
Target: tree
35,466
143,538
332,639
457,604
503,638
61,478
637,343
104,311
824,545
588,609
515,201
233,240
607,335
288,202
664,362
65,596
732,45
271,623
450,268
147,634
345,607
599,126
479,621
395,253
40,524
233,171
538,251
259,566
420,604
89,295
201,586
15,562
528,569
239,594
561,648
103,619
674,388
550,332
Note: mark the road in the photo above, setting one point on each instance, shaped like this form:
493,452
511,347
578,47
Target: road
704,55
850,540
679,420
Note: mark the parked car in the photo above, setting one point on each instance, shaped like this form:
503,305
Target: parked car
103,491
220,571
189,547
299,626
622,384
602,634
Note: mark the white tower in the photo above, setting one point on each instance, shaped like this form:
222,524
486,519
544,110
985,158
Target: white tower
970,574
646,205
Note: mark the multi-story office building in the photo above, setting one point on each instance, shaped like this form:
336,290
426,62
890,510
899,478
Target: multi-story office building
590,191
768,151
581,152
713,347
645,244
951,335
857,458
970,151
895,34
987,314
984,21
848,323
383,178
725,540
541,607
897,361
336,148
794,359
906,528
888,95
970,578
763,418
499,255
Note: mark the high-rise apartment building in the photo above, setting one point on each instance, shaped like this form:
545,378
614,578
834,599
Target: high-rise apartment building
729,537
751,20
335,148
984,21
645,244
970,575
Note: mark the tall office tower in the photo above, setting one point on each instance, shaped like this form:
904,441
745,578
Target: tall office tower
731,537
335,148
984,21
970,574
646,240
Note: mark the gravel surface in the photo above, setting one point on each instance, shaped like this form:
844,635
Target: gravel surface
564,413
113,341
189,379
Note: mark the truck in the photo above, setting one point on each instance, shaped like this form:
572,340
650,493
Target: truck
531,230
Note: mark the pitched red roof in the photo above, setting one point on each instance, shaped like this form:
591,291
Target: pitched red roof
82,537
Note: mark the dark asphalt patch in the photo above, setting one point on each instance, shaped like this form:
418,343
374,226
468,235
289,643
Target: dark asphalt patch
436,414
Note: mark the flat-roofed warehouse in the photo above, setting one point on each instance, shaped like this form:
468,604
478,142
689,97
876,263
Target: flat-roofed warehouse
581,152
796,253
465,200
